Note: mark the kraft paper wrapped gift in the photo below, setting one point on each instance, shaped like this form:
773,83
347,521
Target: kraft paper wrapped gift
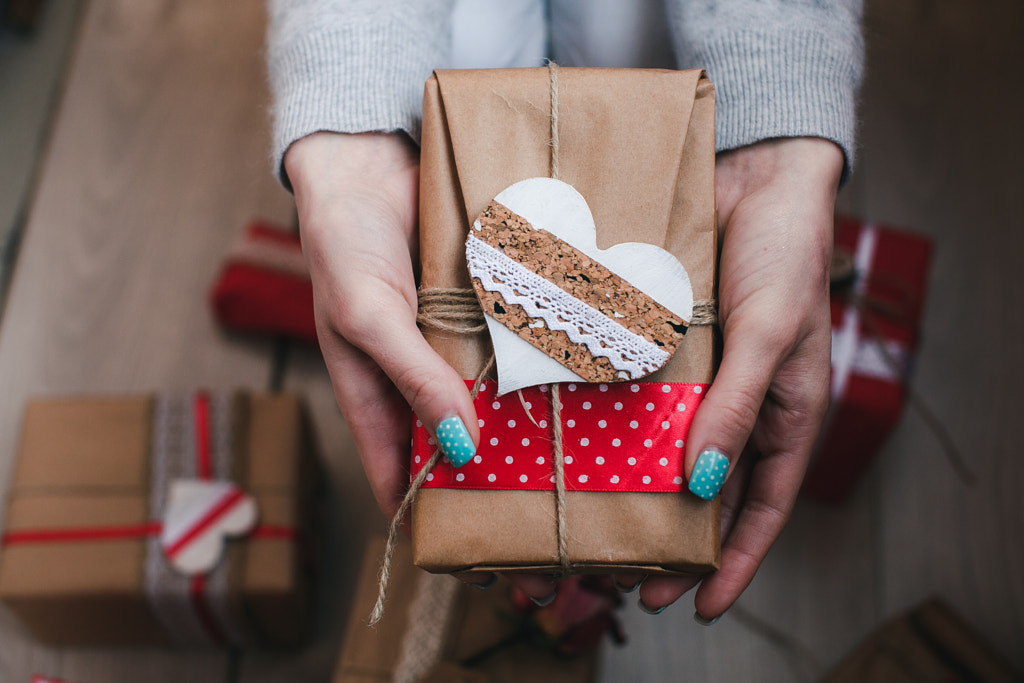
440,630
638,145
81,560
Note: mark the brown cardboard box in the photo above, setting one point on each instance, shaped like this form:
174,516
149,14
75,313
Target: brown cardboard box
85,464
929,643
474,629
639,146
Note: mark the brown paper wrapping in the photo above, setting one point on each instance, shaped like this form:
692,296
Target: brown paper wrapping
928,643
639,146
84,462
371,655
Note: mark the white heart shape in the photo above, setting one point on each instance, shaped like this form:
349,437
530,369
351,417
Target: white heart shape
557,207
200,516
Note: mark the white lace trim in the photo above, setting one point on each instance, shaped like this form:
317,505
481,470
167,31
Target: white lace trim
629,353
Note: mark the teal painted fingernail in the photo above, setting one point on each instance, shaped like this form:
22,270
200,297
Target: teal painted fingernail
709,474
546,600
455,442
650,610
705,622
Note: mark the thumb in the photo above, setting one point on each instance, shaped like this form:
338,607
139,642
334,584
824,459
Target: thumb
726,417
431,387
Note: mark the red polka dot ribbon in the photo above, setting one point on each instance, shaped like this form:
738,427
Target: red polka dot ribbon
616,437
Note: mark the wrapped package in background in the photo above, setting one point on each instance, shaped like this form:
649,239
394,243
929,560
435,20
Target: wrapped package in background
85,557
880,282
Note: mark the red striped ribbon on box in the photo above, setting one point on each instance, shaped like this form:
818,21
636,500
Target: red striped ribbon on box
192,438
625,436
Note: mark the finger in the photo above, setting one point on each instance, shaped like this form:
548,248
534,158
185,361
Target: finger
480,580
627,583
725,419
378,417
774,483
658,592
540,588
384,327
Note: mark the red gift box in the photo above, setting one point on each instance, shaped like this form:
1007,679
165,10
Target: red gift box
877,303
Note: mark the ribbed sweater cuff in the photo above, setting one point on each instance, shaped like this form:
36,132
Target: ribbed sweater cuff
348,79
770,85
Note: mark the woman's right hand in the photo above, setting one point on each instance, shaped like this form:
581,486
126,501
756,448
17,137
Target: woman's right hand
357,199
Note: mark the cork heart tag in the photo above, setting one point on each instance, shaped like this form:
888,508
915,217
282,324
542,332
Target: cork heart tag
201,515
559,309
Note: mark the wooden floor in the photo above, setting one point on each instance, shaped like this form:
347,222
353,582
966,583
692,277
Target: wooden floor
159,156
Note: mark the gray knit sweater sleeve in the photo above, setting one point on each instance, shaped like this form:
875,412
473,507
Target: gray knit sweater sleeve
781,68
352,66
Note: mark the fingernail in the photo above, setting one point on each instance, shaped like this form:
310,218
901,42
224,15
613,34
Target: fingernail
628,589
489,583
545,601
709,474
454,441
650,610
705,622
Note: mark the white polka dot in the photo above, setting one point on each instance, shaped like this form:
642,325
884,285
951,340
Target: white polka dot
522,478
525,441
649,406
494,441
496,405
446,460
416,459
491,477
631,460
583,479
648,443
633,424
677,480
543,387
698,389
508,459
599,460
617,406
568,460
666,424
680,407
419,423
634,388
602,387
602,424
570,423
477,459
616,443
584,441
571,387
430,476
646,479
666,388
480,422
528,405
511,424
460,476
431,441
614,479
540,460
543,424
679,443
663,462
552,479
586,405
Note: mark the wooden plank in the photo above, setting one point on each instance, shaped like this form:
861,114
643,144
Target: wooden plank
942,149
31,70
157,158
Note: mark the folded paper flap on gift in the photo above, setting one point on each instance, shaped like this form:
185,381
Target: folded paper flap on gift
643,114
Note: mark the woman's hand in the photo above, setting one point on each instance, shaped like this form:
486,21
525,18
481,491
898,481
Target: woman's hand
761,416
357,198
